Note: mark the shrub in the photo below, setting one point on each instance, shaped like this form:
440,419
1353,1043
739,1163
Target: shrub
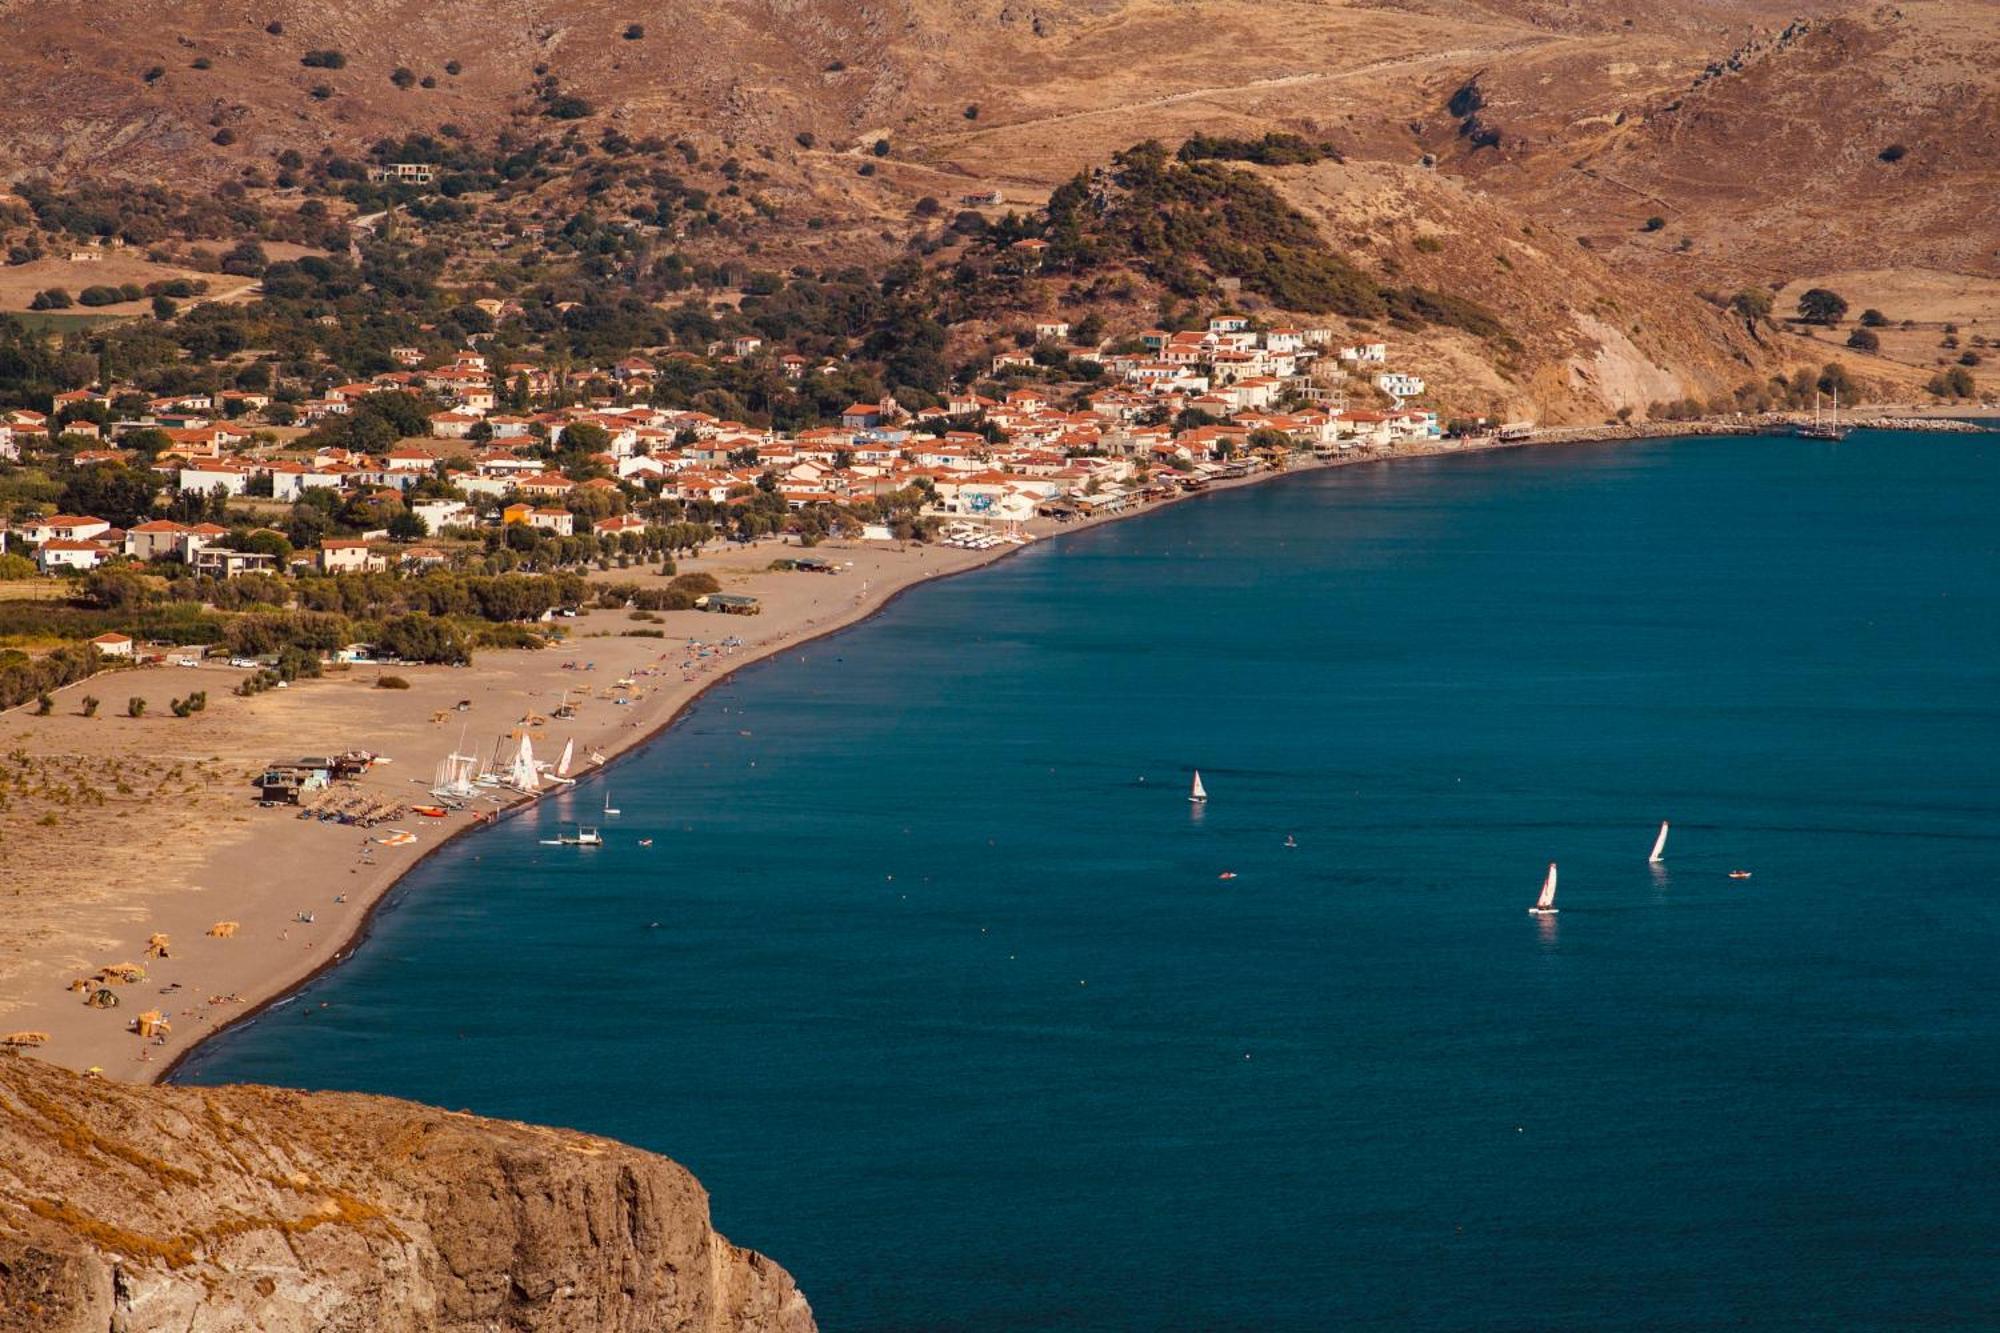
54,298
1656,223
275,28
403,76
135,707
319,92
323,59
155,74
1865,340
391,683
99,296
1953,383
881,148
452,67
805,138
972,111
568,107
44,705
201,62
634,31
223,137
1895,152
90,704
1873,318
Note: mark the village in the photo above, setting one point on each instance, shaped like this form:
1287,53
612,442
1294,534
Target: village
1166,413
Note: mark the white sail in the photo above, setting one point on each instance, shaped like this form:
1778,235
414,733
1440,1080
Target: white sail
523,774
1547,902
569,753
1199,793
1659,844
609,808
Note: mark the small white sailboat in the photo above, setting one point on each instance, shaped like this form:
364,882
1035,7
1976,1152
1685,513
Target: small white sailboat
609,809
524,774
1659,846
568,754
1546,904
1199,793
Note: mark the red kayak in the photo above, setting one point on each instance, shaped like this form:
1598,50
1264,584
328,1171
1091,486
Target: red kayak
430,811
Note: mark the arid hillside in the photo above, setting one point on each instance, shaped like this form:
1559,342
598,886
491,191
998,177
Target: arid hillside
142,1208
1753,127
1617,158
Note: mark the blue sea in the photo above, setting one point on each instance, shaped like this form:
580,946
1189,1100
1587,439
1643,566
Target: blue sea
932,977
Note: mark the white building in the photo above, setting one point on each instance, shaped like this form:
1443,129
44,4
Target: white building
1398,385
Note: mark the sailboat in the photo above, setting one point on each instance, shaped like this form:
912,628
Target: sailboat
1546,904
609,809
522,774
1199,793
1824,429
1659,846
457,774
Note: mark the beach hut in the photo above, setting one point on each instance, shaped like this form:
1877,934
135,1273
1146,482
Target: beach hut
151,1023
156,946
19,1039
223,930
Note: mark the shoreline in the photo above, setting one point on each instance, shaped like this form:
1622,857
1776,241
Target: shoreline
356,933
277,975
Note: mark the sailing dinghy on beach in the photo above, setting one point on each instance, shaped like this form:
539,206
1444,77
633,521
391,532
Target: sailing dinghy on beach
1546,904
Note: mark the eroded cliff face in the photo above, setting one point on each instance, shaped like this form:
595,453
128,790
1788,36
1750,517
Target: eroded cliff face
206,1210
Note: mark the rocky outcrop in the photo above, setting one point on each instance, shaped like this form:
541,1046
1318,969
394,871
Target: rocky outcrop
212,1210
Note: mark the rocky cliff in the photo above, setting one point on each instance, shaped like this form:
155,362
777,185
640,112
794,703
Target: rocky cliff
245,1208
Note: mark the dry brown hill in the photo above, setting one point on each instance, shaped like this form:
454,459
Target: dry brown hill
1753,130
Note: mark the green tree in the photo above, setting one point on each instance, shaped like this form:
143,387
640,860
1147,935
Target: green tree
1820,306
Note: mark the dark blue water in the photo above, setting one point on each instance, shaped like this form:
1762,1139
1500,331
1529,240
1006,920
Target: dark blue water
949,1009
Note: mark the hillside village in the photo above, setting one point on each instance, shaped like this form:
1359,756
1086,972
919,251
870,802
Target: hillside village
1169,413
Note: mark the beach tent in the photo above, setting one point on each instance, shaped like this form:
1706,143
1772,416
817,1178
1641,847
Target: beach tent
223,930
24,1039
156,947
103,998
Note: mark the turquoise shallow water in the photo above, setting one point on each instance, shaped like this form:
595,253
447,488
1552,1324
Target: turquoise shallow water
947,1006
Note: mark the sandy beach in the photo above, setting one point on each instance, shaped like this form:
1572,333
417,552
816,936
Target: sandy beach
115,829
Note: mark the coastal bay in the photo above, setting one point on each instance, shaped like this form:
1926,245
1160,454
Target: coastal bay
931,978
